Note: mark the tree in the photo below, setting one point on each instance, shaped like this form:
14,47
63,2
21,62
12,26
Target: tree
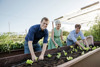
95,30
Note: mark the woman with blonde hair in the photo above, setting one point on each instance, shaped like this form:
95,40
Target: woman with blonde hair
56,36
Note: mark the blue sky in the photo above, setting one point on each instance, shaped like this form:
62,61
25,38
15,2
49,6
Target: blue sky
21,14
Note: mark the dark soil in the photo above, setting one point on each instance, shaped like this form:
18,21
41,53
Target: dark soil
54,61
12,53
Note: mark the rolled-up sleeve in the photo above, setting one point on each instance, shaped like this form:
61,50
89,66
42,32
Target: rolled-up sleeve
46,38
72,37
31,34
82,36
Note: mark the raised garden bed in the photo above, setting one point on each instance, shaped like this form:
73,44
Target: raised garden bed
19,60
54,61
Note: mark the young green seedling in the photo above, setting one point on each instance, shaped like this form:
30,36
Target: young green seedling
82,53
49,55
59,55
69,58
97,46
80,48
94,48
90,46
87,49
36,58
71,52
71,46
75,50
29,62
65,53
77,47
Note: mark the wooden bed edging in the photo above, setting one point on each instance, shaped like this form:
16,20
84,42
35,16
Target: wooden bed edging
80,58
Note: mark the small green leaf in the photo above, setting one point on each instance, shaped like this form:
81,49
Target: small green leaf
94,48
71,46
59,55
90,46
71,52
82,53
29,62
49,55
75,50
69,58
77,47
65,53
80,48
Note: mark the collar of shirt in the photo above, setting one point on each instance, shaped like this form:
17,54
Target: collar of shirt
41,29
76,33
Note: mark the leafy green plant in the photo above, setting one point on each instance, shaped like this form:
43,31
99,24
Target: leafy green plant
95,29
71,46
97,46
71,52
90,46
5,48
87,49
82,53
29,62
75,50
94,48
59,55
65,53
81,48
49,55
36,58
69,58
77,47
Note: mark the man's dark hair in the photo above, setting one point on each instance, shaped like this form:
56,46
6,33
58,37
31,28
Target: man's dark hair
45,18
78,25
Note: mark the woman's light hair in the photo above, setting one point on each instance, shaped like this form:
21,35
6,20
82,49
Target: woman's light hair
57,22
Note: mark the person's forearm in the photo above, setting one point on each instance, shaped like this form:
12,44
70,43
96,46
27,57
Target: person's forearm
44,49
62,38
54,41
31,48
79,44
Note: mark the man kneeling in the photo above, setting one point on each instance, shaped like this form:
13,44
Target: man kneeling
72,37
35,33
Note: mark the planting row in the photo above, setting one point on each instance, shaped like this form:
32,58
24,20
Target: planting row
58,58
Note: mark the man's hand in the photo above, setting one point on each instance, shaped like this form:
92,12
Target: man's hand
32,51
34,58
41,57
